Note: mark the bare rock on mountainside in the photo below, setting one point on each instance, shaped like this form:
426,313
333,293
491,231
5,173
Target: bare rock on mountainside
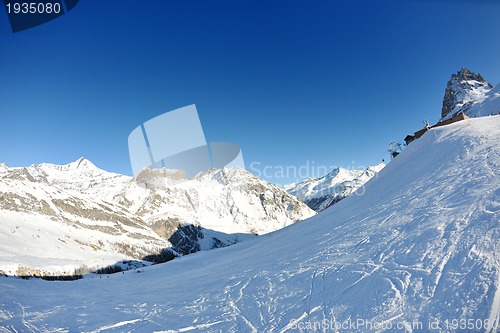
464,89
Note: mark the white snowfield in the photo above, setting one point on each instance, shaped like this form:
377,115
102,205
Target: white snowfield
418,252
489,105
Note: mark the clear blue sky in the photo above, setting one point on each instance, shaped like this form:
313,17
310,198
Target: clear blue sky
291,81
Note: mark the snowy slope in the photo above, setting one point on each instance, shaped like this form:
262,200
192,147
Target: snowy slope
321,193
421,246
489,106
55,219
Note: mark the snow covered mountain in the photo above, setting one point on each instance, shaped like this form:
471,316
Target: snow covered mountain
58,219
469,93
321,193
419,251
225,200
50,221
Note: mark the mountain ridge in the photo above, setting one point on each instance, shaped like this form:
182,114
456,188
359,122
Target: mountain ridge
84,211
321,193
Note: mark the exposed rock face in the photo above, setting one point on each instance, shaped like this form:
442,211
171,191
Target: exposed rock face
464,90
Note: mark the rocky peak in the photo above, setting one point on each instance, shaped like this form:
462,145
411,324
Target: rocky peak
81,163
464,89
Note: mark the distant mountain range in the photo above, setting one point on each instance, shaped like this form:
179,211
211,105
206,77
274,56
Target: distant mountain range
321,193
58,218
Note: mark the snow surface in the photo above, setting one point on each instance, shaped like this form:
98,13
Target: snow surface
422,245
490,105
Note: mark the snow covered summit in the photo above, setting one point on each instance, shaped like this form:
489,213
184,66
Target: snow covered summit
464,90
419,251
321,193
226,200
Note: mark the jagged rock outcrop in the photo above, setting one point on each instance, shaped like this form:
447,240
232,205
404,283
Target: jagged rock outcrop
464,90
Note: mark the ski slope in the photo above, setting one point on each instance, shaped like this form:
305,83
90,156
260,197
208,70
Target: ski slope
421,246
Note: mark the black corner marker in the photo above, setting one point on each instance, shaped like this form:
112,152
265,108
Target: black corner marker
26,14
